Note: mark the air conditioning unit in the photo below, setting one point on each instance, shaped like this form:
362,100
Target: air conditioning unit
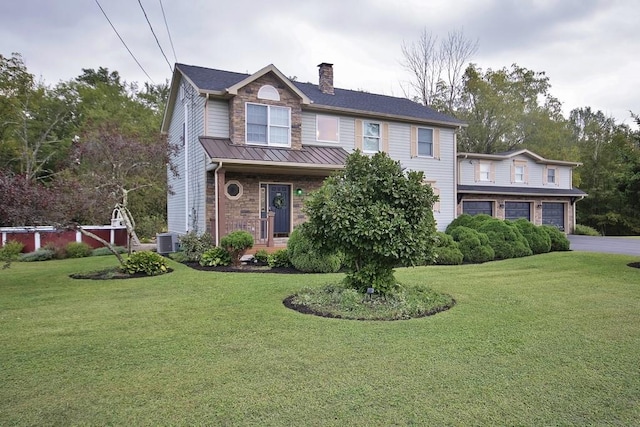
166,242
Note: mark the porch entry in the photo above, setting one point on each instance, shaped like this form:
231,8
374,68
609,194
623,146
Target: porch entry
277,199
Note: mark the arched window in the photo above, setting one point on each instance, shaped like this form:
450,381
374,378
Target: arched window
268,92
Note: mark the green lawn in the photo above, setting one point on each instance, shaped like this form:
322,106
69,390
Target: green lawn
546,340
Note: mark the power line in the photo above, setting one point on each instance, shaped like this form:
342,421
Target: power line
169,33
154,35
125,45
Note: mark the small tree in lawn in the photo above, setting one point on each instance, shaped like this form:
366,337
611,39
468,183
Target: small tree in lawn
377,215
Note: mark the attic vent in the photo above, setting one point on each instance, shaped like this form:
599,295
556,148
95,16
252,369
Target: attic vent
268,92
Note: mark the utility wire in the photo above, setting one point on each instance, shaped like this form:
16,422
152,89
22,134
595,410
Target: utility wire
168,32
125,45
154,36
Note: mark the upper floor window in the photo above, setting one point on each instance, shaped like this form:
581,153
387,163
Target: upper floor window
327,128
371,137
551,175
485,171
268,92
519,172
268,124
425,142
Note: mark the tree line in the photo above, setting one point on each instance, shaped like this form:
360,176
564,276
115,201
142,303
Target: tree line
513,108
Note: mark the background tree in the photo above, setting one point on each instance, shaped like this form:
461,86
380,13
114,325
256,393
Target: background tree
436,68
377,215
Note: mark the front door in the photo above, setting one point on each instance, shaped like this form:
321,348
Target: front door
278,200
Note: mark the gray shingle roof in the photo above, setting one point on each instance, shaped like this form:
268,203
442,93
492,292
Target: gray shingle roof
208,79
528,191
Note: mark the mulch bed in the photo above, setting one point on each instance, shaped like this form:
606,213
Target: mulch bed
245,268
110,273
634,264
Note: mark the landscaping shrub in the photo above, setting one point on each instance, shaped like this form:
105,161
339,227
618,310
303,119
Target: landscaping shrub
178,256
147,262
11,250
77,250
474,245
59,251
194,245
539,241
215,257
236,243
38,255
262,256
306,258
471,221
105,251
505,239
559,241
585,230
447,250
148,226
279,258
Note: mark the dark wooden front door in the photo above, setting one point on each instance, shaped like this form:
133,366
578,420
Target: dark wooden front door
278,200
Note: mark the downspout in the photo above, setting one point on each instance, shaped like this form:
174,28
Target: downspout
217,213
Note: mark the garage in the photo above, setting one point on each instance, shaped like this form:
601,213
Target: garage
516,210
553,214
476,207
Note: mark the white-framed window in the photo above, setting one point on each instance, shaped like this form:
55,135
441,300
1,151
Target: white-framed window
327,128
519,173
268,92
371,137
425,142
485,171
268,124
551,175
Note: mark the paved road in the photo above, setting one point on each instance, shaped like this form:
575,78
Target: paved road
612,245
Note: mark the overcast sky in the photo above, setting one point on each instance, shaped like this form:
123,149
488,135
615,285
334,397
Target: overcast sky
589,49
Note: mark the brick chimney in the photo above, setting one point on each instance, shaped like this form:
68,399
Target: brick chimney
326,78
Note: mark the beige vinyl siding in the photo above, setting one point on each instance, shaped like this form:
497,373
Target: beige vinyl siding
358,134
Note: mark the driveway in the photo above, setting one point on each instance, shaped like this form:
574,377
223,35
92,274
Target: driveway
612,245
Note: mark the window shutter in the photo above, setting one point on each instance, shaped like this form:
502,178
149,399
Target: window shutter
545,175
385,138
492,173
476,171
513,172
414,141
436,143
358,132
526,173
436,192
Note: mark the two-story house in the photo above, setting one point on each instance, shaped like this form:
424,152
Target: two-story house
254,146
518,184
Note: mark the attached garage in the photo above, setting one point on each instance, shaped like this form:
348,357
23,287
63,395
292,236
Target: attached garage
553,214
477,207
516,210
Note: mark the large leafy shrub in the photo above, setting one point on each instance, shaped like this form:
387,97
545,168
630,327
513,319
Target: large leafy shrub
505,239
539,241
215,257
236,243
305,257
474,245
194,245
447,251
11,250
262,256
377,215
466,220
147,262
77,250
585,230
559,241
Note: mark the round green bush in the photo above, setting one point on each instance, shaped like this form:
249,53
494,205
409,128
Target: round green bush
215,257
585,230
559,241
474,245
147,262
447,251
11,250
471,221
539,241
306,258
505,239
279,258
77,250
236,243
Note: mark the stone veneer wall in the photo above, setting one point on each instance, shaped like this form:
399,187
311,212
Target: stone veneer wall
537,213
249,93
248,205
